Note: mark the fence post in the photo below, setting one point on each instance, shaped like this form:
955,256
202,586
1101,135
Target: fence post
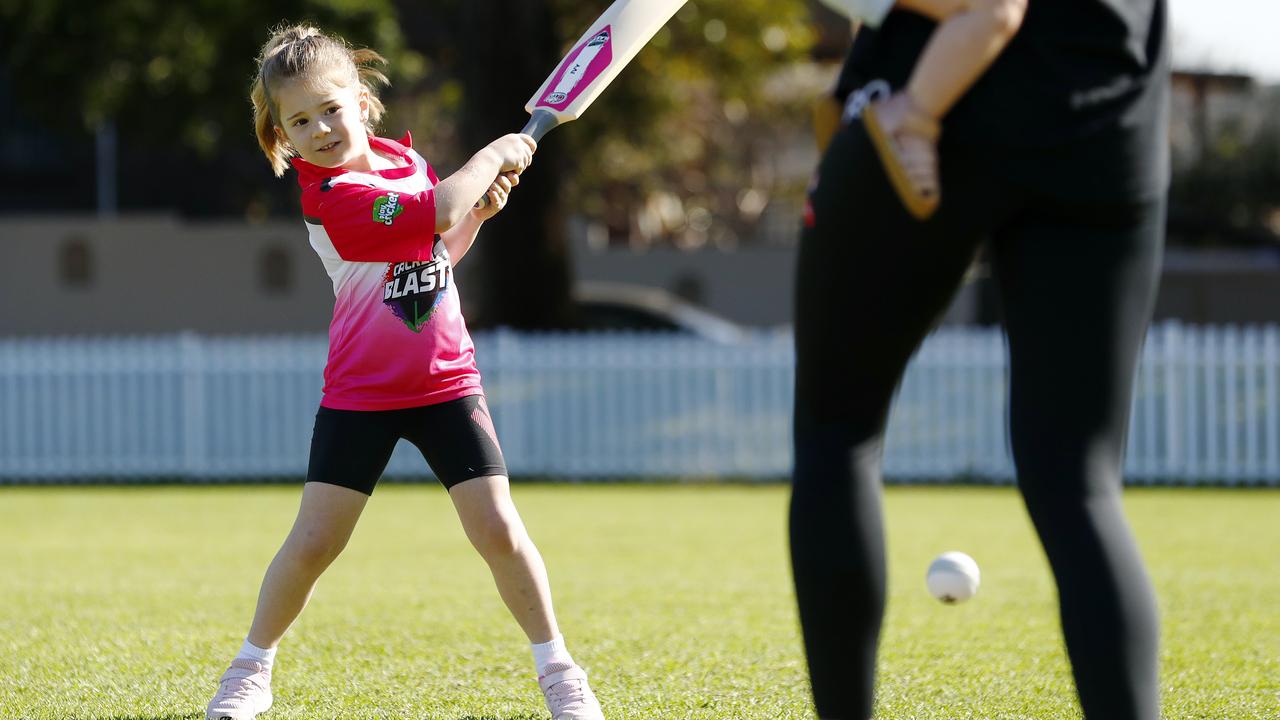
1250,359
1270,360
508,412
1231,416
1171,345
193,420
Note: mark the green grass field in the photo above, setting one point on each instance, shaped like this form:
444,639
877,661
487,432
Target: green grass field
126,603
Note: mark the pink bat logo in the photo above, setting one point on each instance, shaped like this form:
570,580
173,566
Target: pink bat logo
582,66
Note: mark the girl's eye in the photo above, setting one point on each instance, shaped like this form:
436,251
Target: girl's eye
332,110
299,123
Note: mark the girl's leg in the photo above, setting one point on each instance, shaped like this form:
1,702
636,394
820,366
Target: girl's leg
349,451
325,520
495,529
459,442
324,523
1078,285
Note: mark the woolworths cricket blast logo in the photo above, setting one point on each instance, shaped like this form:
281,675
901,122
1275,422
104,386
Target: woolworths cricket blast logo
414,290
386,208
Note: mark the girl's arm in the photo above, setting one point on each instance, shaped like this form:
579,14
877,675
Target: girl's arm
457,194
459,238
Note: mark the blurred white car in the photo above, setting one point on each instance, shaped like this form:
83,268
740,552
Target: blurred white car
621,306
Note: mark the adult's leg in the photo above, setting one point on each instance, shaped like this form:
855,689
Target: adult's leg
1078,285
871,282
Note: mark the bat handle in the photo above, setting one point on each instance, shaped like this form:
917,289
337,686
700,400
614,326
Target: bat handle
540,123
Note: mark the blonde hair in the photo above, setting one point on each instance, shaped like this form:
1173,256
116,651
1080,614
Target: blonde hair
303,52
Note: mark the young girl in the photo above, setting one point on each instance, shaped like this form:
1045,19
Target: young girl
905,126
400,361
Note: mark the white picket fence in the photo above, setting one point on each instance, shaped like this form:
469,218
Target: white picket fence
606,406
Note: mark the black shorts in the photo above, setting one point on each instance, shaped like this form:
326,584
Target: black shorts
351,448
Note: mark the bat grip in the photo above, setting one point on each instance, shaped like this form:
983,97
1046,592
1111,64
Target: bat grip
540,123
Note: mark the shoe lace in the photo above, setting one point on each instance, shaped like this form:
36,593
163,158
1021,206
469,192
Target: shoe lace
243,687
568,693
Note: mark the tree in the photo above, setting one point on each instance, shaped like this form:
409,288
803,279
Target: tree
1228,193
682,148
174,79
687,134
490,56
689,120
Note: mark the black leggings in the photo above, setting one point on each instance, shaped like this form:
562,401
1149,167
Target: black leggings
1077,282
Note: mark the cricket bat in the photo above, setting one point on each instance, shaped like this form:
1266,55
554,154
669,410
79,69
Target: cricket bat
595,60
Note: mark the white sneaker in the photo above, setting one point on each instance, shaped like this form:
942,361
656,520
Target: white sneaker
569,697
243,692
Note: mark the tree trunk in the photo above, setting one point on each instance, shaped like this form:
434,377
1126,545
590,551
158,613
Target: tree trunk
506,48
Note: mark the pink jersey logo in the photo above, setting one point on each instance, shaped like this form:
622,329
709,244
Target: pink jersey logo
413,290
578,70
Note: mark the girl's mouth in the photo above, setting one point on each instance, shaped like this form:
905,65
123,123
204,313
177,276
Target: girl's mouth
327,148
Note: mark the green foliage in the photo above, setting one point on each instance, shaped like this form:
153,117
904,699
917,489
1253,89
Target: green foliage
127,603
688,131
694,122
1229,193
176,73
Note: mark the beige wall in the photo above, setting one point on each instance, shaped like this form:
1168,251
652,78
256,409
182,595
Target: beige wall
158,274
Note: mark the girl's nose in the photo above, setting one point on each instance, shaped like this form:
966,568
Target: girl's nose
321,128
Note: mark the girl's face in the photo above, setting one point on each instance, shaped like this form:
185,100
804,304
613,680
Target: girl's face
325,122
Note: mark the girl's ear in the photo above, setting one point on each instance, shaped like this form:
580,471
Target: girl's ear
364,105
284,139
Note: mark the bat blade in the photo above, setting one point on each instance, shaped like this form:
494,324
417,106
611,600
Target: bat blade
596,59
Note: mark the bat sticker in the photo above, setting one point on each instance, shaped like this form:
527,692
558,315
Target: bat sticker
578,70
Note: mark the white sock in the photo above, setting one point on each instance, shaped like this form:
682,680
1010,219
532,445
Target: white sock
253,652
552,652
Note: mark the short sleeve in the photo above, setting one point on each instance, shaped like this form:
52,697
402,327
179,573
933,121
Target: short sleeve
870,12
369,224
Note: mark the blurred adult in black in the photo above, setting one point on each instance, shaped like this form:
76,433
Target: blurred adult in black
1057,161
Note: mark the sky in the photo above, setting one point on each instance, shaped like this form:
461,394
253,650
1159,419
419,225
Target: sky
1227,36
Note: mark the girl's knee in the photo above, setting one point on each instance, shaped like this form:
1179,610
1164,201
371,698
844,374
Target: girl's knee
315,548
497,535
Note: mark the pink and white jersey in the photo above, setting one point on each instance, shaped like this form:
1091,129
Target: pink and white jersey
397,339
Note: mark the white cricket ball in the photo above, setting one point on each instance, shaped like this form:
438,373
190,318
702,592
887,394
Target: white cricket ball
953,577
